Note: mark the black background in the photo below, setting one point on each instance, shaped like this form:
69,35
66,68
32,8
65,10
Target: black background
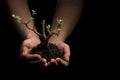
88,43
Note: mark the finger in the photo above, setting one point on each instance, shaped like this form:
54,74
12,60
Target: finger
53,61
24,50
48,63
34,62
63,62
33,57
66,52
42,62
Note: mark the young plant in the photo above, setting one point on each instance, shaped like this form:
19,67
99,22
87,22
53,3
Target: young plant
45,49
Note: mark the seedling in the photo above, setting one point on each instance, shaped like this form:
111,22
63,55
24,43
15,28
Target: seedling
45,49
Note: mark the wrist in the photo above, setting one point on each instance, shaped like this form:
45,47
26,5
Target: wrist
32,36
33,40
56,39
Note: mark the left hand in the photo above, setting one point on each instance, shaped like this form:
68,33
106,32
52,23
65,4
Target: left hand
64,48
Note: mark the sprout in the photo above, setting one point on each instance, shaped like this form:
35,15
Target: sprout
48,26
17,18
45,36
13,15
60,21
33,12
31,18
58,30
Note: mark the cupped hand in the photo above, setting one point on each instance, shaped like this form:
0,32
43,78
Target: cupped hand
65,49
25,52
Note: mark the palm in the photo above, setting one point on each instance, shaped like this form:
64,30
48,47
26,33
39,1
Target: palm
26,48
65,49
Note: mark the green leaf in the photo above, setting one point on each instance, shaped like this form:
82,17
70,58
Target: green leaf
60,21
58,30
33,12
48,26
31,18
17,18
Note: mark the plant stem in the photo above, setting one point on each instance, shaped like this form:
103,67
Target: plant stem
26,24
48,37
43,30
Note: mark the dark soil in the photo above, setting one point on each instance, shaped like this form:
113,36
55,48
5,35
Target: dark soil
47,52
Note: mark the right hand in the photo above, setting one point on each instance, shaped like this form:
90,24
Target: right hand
25,52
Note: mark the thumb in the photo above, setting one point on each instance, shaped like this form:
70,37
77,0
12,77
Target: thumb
24,51
66,52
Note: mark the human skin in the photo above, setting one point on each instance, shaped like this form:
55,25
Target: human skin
68,10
